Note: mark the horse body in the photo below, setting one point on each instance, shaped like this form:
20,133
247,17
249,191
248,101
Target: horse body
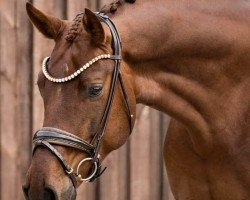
190,60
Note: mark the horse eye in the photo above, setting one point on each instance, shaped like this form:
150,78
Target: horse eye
95,90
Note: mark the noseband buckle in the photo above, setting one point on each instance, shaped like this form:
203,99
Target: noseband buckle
70,171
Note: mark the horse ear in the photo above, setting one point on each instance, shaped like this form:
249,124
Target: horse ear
47,25
93,26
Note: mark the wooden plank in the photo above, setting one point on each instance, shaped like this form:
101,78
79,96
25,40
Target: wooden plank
147,162
166,191
92,4
87,191
155,155
8,144
74,7
167,194
24,98
114,182
15,99
140,150
101,3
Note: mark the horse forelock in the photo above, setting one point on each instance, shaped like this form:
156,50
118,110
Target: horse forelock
75,28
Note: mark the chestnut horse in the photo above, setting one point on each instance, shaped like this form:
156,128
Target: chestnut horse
188,59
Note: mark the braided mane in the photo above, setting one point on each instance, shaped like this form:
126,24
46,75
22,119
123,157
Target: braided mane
76,26
112,7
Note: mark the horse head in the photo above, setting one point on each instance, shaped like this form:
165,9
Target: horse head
75,84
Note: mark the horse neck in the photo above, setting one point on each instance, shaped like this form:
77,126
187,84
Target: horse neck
183,62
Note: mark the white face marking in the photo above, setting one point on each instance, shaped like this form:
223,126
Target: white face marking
66,67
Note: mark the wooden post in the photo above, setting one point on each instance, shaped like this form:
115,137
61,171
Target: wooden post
15,120
147,165
114,182
166,191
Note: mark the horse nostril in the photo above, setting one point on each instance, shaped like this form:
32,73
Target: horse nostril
26,191
49,194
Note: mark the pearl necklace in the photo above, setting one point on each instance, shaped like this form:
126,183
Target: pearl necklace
73,75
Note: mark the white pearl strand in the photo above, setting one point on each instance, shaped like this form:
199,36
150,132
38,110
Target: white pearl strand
75,74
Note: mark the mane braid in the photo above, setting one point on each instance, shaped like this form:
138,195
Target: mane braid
112,7
76,28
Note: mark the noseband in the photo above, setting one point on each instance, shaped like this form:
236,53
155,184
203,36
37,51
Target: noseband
48,136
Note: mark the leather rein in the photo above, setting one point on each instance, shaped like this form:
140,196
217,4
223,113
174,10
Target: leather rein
49,136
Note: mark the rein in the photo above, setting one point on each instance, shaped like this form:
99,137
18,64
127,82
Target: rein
49,136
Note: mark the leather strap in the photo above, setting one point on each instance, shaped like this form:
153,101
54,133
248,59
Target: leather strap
116,44
64,164
55,136
125,95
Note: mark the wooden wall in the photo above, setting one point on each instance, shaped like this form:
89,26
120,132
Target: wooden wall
135,171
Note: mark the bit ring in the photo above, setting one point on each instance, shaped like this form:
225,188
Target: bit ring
91,175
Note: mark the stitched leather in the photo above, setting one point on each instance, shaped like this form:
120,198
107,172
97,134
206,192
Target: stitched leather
61,138
58,156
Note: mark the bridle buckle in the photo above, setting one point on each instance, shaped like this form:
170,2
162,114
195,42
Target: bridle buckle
70,171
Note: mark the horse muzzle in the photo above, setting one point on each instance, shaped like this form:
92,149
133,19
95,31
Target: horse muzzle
46,180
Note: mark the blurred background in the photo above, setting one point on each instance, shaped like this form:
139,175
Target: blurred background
135,172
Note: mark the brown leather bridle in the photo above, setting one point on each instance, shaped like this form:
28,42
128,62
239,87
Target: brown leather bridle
48,136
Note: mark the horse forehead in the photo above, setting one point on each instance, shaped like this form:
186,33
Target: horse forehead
61,69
